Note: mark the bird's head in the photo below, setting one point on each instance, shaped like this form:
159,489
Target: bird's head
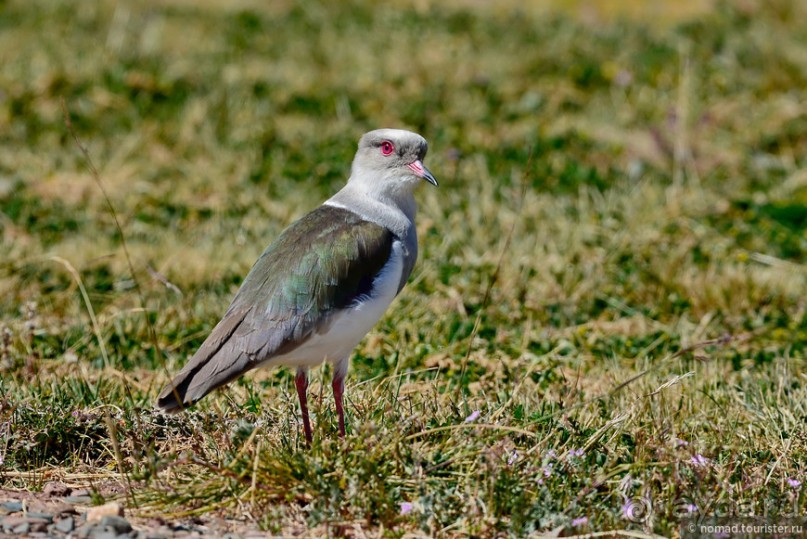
391,160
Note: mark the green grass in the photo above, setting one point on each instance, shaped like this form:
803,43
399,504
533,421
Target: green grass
648,312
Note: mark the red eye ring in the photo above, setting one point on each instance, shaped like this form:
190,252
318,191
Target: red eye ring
387,147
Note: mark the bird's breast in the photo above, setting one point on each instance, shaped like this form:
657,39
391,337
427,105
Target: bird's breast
342,331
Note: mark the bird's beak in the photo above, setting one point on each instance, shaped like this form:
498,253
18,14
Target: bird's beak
421,171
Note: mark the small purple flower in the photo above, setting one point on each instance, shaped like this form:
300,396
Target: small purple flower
575,454
627,510
546,471
680,443
700,461
691,508
551,454
406,508
473,417
794,483
579,521
512,458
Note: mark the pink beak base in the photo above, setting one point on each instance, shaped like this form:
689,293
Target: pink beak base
421,171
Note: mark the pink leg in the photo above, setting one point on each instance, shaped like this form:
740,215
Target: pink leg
301,381
338,394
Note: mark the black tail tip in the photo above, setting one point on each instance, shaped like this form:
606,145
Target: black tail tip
170,401
167,407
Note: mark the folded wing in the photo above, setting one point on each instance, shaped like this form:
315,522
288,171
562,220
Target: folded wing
320,265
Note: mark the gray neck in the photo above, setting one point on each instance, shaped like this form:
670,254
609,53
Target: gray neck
394,211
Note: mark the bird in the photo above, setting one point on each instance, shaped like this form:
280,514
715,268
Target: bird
322,285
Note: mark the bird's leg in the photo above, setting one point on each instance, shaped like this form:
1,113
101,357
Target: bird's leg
340,371
301,381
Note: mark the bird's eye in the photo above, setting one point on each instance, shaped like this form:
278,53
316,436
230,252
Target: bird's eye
387,147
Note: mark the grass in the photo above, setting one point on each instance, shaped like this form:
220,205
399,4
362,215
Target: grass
633,354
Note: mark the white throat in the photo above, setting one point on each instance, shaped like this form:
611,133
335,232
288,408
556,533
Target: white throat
387,201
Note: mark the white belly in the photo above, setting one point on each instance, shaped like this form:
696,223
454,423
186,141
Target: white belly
348,328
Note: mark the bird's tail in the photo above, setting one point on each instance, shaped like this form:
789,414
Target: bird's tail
219,360
198,378
174,397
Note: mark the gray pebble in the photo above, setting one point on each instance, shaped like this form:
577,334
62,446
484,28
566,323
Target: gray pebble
54,488
99,533
12,506
79,499
24,523
163,532
84,531
116,523
65,525
43,516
